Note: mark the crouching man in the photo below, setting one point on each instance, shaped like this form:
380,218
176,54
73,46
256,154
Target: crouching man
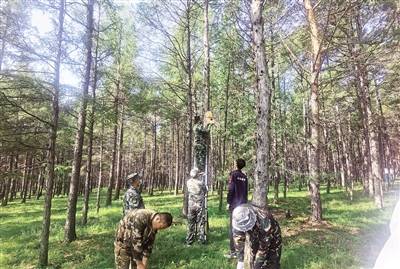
264,233
135,236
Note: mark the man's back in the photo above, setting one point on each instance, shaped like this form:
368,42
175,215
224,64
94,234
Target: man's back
132,200
237,189
196,190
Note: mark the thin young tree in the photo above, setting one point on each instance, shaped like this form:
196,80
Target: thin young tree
69,229
44,239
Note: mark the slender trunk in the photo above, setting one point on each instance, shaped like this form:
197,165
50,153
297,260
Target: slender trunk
114,151
154,157
177,159
119,155
189,126
263,97
24,177
206,70
100,168
88,177
221,183
40,183
69,230
4,202
44,239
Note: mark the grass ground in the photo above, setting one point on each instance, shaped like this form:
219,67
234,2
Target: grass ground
350,237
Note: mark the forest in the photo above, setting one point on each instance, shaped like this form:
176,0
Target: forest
306,92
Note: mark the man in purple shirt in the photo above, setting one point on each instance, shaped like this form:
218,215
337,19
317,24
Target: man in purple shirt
237,195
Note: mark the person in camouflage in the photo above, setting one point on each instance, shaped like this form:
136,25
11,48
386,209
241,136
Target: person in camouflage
132,198
196,217
201,137
265,236
135,236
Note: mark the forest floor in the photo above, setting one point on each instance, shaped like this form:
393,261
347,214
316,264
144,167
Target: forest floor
350,237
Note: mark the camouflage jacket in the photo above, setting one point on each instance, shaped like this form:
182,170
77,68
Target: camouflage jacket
265,240
201,139
196,191
132,200
135,233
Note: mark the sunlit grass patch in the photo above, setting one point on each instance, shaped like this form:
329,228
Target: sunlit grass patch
337,243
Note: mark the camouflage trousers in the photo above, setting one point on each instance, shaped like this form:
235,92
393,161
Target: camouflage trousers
123,260
200,153
196,224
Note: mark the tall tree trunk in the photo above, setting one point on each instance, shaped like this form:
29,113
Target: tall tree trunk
153,157
69,230
27,172
7,186
189,124
114,151
177,157
316,43
263,97
88,176
40,183
24,177
343,152
100,168
221,183
119,155
206,70
51,156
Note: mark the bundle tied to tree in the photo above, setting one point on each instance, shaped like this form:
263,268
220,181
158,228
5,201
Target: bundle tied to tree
202,136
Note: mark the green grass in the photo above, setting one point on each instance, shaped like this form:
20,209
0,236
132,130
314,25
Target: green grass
350,237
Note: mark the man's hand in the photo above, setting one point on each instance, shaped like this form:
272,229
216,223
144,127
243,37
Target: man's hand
140,265
227,206
145,260
240,265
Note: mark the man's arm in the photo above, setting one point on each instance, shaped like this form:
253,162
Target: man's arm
231,189
137,244
148,248
270,246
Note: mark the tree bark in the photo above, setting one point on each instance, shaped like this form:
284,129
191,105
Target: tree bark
177,157
51,156
263,97
88,177
100,168
206,71
7,186
314,173
119,155
69,230
189,121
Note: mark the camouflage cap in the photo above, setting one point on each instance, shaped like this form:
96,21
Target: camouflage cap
194,172
243,218
133,176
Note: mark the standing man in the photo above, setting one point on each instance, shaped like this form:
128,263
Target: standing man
264,234
132,198
196,218
135,236
237,195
